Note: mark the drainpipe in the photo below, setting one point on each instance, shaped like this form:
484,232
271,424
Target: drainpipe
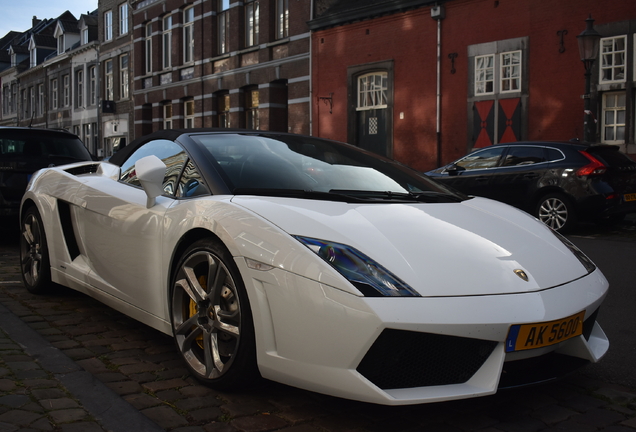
438,14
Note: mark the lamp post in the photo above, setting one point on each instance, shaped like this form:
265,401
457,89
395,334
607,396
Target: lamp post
588,40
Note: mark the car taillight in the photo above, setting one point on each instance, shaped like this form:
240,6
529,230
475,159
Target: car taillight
595,167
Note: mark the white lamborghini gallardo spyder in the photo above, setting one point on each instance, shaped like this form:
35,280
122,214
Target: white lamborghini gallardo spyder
315,264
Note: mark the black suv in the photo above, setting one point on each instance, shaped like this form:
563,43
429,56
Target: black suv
559,183
23,151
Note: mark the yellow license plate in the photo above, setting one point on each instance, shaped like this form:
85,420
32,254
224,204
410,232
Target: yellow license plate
630,197
529,336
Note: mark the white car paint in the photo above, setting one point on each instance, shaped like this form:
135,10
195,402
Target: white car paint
312,326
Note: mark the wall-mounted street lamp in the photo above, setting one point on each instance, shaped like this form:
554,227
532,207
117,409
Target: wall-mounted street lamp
588,40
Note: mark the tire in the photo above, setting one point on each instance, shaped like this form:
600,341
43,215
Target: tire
34,254
556,211
211,318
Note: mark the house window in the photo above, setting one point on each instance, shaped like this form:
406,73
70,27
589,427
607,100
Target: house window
251,109
148,46
84,36
189,113
67,90
14,97
54,95
108,25
167,116
5,99
485,74
372,91
188,35
224,110
123,19
79,79
613,54
109,84
60,44
167,42
614,118
123,76
34,57
282,19
251,22
224,26
31,101
92,73
40,100
511,71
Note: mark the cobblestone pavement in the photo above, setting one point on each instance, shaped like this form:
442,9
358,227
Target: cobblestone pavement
69,363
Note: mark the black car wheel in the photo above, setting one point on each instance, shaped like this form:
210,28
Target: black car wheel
555,211
211,317
34,254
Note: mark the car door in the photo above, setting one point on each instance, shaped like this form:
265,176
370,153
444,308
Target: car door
120,237
472,173
516,179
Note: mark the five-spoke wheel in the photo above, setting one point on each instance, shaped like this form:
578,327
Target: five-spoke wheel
211,317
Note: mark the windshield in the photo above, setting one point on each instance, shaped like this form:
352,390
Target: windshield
251,163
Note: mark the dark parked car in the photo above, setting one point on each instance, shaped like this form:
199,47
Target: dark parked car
558,182
26,150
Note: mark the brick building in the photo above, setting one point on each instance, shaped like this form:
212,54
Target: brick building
222,63
506,71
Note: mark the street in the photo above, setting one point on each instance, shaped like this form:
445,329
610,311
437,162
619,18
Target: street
81,366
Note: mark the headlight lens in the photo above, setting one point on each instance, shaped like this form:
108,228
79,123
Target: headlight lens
369,277
587,263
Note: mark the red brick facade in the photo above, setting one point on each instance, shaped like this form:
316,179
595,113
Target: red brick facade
547,106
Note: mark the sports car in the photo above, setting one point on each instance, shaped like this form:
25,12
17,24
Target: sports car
315,264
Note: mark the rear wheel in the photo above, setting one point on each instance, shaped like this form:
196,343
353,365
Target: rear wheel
211,317
555,211
34,254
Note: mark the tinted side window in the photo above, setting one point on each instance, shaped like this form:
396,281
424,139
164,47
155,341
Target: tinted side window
554,155
524,156
481,159
191,183
169,152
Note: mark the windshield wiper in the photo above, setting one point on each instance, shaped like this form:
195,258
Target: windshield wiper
383,196
299,193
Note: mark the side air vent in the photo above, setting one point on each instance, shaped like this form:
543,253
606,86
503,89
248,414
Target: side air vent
64,210
83,169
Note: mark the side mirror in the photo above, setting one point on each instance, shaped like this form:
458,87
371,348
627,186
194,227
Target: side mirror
150,172
454,169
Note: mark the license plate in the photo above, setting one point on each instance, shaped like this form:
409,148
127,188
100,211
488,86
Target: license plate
529,336
630,197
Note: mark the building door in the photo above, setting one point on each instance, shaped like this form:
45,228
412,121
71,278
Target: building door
372,131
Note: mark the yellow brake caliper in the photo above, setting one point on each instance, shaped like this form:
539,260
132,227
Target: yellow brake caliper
193,310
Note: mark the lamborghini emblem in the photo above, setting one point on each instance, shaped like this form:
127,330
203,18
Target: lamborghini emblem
521,274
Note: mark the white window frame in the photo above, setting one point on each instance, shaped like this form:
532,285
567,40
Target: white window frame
614,113
123,19
167,116
109,88
148,47
33,57
79,77
40,100
31,100
124,85
188,35
66,79
167,42
60,44
54,94
92,74
510,63
84,36
613,59
223,16
485,74
370,93
108,25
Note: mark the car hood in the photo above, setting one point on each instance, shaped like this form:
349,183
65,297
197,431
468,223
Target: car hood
444,249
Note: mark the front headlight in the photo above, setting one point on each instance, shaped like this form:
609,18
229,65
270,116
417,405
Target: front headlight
369,277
